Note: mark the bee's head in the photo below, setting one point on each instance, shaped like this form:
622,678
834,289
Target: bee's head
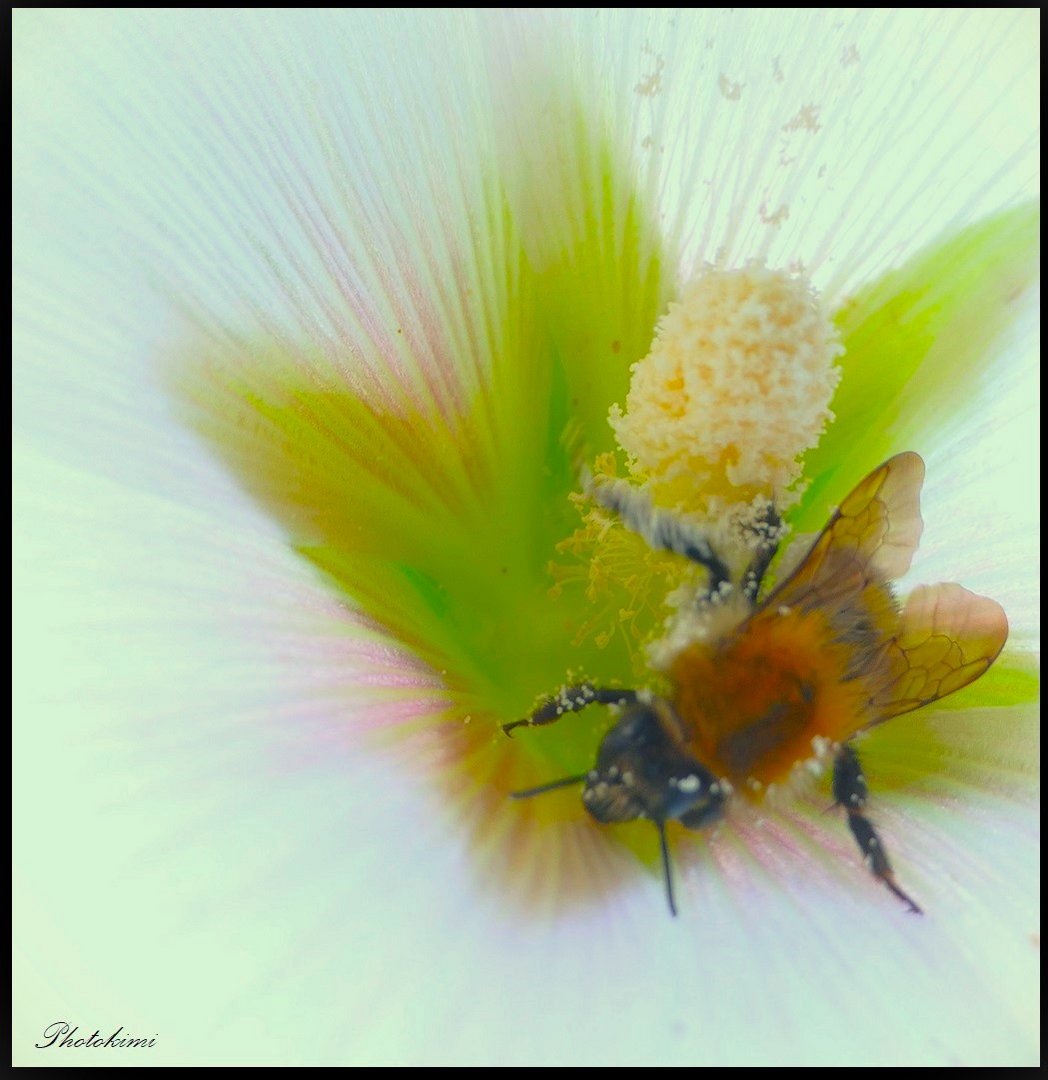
641,771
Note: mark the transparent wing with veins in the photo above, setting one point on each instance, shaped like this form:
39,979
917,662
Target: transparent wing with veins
947,638
870,540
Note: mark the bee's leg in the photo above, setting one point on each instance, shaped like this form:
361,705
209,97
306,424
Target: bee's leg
663,530
572,699
769,527
849,789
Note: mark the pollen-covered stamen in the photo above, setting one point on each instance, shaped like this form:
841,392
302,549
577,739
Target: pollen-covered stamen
735,389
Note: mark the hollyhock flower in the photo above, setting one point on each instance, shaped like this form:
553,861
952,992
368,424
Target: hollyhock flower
321,318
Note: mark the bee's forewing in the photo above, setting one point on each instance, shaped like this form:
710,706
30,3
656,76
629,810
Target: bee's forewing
870,539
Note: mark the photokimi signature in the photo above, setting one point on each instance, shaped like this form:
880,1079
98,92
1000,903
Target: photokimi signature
61,1034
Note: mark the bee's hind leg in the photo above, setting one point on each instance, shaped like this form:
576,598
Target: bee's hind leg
850,791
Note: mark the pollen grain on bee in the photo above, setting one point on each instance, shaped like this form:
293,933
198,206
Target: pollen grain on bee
821,746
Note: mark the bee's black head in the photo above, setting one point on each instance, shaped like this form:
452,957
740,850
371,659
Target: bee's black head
643,771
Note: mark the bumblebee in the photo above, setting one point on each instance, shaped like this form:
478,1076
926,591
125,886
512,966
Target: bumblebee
779,680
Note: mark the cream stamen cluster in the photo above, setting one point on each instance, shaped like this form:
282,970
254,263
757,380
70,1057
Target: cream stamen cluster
735,389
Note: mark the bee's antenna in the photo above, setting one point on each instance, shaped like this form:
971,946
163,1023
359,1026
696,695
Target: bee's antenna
667,870
566,781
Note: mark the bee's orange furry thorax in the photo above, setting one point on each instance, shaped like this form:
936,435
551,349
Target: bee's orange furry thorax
753,704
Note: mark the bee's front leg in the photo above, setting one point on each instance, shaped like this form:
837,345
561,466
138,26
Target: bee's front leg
572,699
850,791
